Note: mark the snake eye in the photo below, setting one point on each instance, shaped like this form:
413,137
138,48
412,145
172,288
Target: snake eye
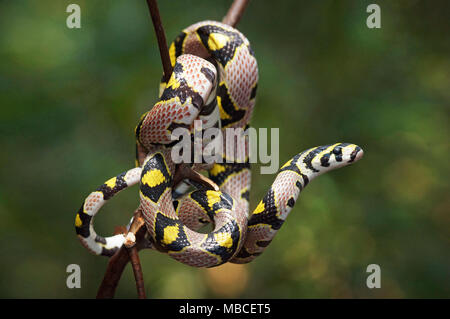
337,150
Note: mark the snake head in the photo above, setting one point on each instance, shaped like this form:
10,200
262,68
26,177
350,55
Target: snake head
328,157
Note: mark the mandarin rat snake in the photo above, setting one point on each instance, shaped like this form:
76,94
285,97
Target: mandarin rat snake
214,80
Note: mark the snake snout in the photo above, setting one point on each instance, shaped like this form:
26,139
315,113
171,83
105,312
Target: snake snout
346,153
355,153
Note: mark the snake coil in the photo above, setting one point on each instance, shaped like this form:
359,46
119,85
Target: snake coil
215,80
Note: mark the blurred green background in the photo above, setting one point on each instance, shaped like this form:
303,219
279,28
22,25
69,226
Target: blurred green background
70,100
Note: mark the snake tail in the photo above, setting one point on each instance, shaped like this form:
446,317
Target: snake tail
85,217
292,178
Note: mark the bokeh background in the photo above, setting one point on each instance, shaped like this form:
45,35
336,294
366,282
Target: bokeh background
70,100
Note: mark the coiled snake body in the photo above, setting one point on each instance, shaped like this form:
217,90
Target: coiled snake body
221,93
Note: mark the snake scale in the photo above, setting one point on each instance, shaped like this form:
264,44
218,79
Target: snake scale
214,80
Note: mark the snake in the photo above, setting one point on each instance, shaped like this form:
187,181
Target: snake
214,80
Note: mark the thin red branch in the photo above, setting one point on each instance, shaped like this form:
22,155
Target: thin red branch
137,270
119,260
161,36
137,227
114,271
235,12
